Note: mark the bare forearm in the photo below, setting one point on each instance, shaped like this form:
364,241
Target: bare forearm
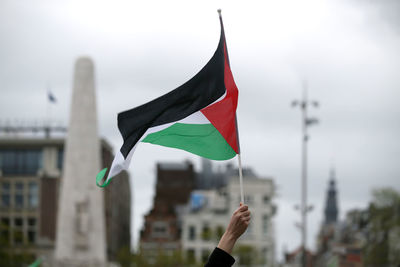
237,226
227,242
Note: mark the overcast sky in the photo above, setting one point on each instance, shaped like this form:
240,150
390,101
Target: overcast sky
348,51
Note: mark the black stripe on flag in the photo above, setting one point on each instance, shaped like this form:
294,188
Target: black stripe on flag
197,93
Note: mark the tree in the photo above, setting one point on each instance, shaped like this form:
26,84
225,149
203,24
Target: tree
10,256
383,229
125,257
248,255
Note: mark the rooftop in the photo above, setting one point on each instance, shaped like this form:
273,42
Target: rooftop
174,165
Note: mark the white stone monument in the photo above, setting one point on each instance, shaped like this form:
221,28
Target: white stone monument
80,239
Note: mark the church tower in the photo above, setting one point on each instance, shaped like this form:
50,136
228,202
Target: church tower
331,206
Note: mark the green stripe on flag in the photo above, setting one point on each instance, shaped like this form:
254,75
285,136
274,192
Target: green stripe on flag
99,178
200,139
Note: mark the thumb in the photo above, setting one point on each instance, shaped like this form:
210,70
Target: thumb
241,204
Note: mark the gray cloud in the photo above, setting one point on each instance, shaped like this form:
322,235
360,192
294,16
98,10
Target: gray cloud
386,11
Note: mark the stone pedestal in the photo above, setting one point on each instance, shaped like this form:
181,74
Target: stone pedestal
80,239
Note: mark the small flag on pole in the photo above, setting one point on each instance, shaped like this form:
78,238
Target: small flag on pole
198,116
51,97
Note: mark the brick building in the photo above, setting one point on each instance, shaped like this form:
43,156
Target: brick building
162,229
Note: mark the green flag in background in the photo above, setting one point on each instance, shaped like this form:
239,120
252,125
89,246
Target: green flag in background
36,263
333,262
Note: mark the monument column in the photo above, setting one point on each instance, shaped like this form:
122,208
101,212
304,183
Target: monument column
80,239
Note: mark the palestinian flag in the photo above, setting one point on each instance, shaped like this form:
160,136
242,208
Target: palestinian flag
198,116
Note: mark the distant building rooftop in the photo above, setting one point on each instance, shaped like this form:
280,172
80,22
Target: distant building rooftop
40,141
174,165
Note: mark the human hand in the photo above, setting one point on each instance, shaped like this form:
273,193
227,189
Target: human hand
238,224
240,220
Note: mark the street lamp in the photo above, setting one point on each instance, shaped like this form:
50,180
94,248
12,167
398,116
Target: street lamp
305,123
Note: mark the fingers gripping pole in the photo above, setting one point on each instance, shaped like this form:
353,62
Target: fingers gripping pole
241,179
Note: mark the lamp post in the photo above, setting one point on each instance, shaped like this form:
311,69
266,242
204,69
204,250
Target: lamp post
304,209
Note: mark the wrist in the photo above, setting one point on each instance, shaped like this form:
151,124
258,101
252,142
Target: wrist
229,237
227,242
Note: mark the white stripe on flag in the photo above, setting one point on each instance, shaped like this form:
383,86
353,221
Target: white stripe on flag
119,163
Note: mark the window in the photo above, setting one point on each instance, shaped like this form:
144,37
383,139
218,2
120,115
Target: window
192,232
265,225
18,233
31,221
30,161
33,195
20,161
206,233
204,255
159,229
32,230
18,222
4,231
19,195
18,236
190,256
266,199
5,222
5,195
219,232
31,237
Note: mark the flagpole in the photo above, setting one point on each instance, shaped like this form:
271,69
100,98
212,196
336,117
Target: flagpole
239,158
49,111
241,179
48,115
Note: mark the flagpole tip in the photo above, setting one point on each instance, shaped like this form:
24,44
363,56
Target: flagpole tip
219,11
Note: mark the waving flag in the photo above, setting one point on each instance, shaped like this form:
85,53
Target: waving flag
198,116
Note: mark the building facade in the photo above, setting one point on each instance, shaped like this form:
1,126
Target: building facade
30,174
162,230
206,216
